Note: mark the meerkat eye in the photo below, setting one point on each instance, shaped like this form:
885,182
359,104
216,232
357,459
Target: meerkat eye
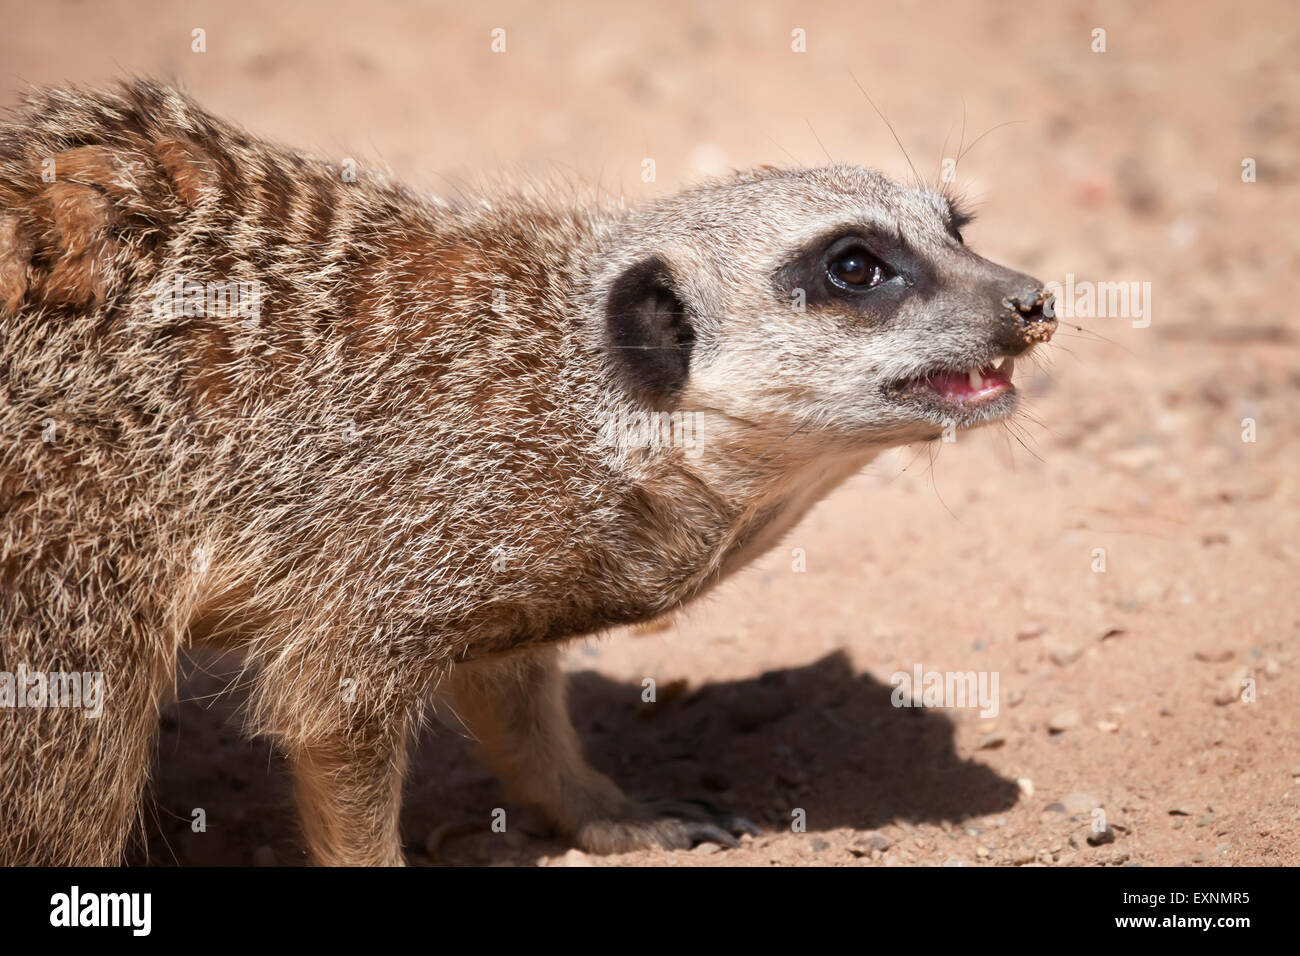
850,264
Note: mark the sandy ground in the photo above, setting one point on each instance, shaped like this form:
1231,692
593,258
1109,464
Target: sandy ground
1121,691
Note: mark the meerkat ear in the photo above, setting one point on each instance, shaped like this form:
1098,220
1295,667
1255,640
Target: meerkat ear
650,331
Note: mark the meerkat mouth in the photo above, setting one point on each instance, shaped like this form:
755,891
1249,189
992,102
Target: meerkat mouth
950,396
975,386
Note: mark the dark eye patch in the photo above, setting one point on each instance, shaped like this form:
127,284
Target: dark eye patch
904,272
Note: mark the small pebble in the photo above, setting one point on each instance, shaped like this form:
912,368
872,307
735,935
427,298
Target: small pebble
1063,654
1106,835
1065,720
873,841
1230,690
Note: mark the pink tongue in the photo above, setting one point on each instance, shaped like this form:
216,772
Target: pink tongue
956,385
951,384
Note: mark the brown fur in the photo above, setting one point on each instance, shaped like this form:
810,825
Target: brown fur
393,478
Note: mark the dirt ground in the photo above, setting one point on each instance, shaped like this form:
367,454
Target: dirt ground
1121,691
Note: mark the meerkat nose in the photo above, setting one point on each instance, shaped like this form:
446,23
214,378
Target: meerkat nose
1036,313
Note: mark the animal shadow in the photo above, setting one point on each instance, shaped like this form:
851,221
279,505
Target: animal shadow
818,739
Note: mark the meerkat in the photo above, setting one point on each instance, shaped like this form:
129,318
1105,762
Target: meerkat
414,457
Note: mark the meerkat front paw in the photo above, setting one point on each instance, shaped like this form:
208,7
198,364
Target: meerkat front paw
663,824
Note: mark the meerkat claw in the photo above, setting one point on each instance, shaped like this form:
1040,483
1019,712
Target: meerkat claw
708,821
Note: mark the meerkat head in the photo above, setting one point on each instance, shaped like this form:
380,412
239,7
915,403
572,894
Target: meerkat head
830,303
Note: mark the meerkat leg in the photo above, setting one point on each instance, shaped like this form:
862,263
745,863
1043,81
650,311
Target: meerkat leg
515,707
348,760
349,796
73,776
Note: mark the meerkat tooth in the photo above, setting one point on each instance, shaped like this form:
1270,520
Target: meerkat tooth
975,380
